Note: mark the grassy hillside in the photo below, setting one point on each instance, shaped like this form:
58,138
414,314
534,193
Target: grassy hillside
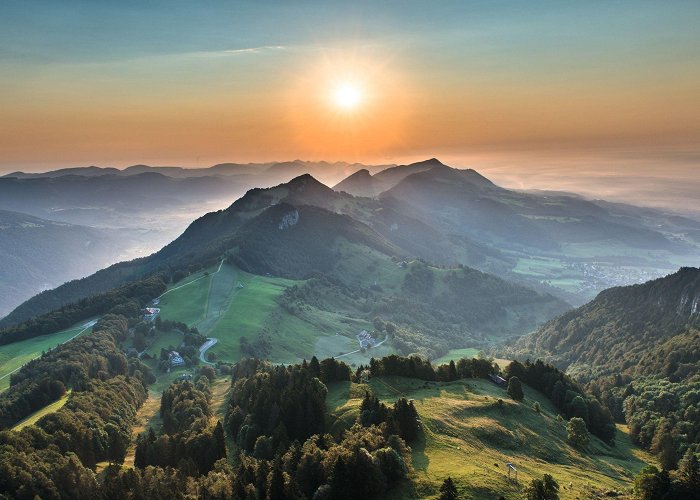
230,304
469,436
34,417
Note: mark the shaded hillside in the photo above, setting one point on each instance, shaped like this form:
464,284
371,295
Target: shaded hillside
38,254
295,241
204,241
361,183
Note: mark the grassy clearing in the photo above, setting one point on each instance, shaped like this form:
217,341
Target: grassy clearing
46,410
164,340
147,416
470,437
186,304
14,356
455,355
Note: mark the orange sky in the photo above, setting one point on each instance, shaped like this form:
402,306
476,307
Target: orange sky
485,83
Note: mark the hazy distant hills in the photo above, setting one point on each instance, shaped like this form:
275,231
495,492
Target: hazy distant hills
553,242
363,183
271,172
38,254
303,229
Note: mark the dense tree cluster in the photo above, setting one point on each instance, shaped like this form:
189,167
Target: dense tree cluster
71,365
401,420
566,395
274,406
416,367
54,458
683,484
664,416
278,417
188,441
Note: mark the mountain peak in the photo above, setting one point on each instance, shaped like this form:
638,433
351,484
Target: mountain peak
305,182
430,161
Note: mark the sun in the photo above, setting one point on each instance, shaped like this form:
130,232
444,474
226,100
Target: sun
347,96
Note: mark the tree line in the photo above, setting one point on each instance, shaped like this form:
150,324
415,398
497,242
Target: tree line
126,300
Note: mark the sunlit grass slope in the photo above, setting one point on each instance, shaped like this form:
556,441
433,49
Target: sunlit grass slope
34,417
469,436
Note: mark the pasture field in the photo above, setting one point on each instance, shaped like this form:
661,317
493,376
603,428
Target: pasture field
470,436
186,301
16,354
251,306
164,340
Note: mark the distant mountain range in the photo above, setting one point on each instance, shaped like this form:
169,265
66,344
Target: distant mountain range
555,243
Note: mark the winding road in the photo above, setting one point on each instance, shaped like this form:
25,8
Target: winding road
203,350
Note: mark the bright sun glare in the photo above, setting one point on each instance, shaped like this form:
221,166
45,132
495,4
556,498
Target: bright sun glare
347,96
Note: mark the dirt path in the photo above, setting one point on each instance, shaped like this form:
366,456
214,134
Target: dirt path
147,416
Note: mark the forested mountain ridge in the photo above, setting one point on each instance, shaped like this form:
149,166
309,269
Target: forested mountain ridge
285,232
621,327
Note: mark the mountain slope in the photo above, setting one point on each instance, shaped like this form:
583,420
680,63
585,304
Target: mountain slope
39,254
292,231
618,332
361,183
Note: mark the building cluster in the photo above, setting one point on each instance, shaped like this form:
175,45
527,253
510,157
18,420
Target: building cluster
366,340
175,359
151,313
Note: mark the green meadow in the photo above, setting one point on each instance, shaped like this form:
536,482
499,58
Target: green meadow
34,417
470,436
231,304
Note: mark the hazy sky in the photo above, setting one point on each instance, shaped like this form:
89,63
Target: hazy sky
196,82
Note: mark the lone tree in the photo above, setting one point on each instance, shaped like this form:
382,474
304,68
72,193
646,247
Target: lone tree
448,490
543,489
515,389
577,433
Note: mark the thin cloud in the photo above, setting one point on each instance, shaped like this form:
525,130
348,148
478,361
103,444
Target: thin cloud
235,52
